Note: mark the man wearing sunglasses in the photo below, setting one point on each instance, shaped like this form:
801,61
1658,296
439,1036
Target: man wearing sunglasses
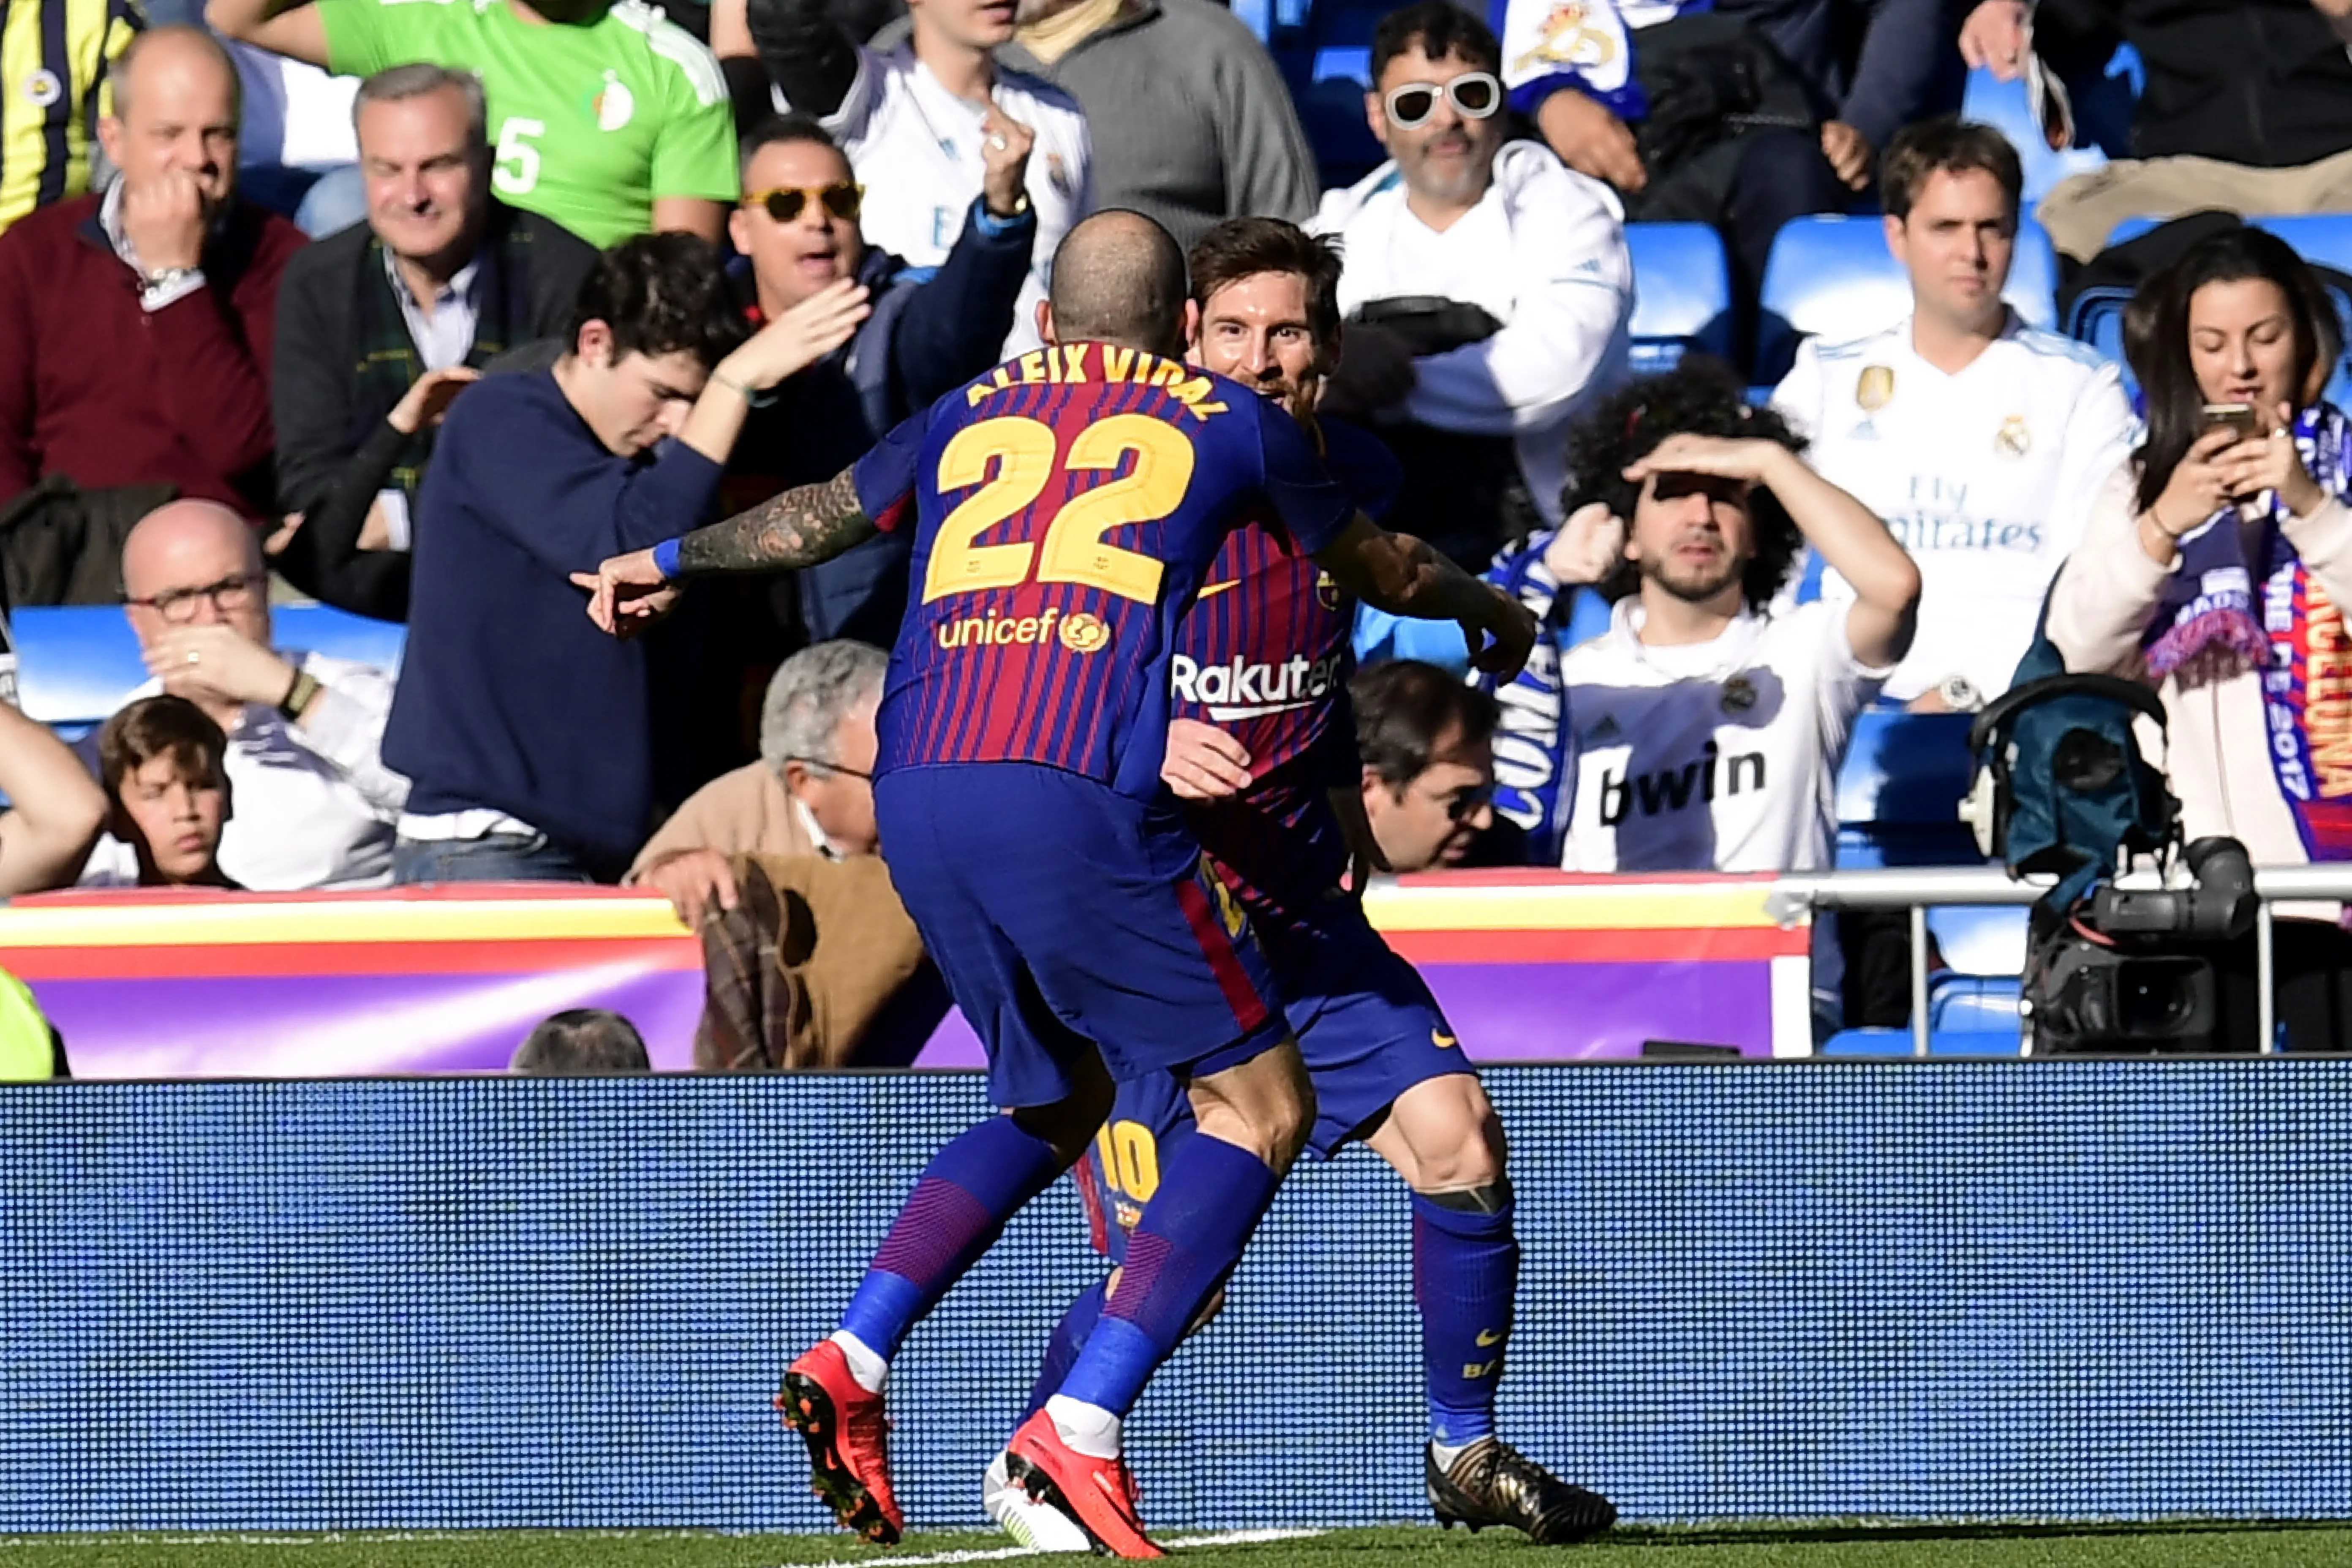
1487,290
799,228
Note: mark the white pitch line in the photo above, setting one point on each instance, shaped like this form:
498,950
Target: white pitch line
1000,1554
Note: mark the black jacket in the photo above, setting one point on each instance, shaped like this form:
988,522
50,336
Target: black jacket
334,450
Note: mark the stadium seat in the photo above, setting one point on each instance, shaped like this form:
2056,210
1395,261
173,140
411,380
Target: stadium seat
2006,107
1331,111
77,663
1834,274
1899,789
1973,1004
1979,940
1682,293
1940,1042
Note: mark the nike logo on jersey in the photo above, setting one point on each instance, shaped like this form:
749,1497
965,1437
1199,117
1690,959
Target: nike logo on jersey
1214,589
1444,1042
1489,1337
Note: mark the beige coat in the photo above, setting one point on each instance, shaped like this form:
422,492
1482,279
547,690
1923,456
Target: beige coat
2218,759
747,812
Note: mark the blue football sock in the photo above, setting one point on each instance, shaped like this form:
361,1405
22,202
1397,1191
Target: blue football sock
1465,1271
956,1212
1210,1197
1061,1351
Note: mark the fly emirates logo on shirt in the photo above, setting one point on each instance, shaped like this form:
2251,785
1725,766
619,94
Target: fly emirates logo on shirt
1934,515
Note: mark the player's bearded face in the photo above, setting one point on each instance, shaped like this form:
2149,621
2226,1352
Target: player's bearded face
1257,331
1693,535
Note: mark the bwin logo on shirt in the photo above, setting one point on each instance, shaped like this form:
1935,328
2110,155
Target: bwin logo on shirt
1244,691
1672,789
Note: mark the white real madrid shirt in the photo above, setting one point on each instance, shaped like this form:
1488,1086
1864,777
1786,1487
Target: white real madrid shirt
1986,477
1714,756
916,148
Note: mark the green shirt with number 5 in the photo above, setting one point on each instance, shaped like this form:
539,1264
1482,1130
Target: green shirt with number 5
589,123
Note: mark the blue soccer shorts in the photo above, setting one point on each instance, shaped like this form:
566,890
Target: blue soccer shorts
1067,917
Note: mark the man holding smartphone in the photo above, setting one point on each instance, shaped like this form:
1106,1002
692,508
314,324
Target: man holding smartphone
1981,441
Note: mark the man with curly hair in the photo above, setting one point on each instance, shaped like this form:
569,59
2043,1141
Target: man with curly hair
1702,731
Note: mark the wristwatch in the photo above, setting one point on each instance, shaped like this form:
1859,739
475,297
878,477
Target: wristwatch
301,694
1959,694
167,278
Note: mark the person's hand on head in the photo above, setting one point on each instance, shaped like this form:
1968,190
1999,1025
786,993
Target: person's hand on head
1375,370
1204,763
1993,39
699,883
1849,153
1004,147
164,219
799,338
428,398
1585,548
1719,456
213,663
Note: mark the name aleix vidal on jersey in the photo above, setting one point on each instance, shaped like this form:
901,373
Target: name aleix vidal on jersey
1240,690
1670,789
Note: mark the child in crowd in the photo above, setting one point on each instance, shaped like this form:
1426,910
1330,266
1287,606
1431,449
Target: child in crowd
162,760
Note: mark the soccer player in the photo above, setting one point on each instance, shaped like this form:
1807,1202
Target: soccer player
1262,746
1021,731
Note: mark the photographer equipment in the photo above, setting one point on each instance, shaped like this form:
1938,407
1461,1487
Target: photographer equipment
2065,790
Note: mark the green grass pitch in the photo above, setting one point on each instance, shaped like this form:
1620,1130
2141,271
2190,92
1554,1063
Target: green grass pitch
1861,1546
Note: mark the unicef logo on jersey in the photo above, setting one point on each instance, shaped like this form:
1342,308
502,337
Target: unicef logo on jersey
615,105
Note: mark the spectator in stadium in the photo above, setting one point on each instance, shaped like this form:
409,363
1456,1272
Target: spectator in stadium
930,126
2248,107
50,154
811,793
1527,263
1981,442
135,327
1703,731
582,1042
536,477
164,763
1428,746
379,327
799,228
304,730
606,117
56,810
2213,567
1741,114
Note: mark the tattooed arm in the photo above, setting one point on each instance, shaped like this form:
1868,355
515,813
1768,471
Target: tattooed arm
798,528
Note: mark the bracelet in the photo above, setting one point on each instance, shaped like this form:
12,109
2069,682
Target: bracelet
666,558
750,398
301,694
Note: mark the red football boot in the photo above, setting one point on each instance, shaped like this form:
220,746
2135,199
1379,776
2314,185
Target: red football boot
848,1442
1098,1493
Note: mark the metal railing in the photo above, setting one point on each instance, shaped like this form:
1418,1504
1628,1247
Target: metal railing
1921,889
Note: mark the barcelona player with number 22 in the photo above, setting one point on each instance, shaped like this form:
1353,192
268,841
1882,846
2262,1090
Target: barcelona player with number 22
1066,509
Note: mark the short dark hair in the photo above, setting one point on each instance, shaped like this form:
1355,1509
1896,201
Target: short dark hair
1406,710
782,129
1701,397
1950,145
660,293
1441,28
1243,248
163,726
582,1042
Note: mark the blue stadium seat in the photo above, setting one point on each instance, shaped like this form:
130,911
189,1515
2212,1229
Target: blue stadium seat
1940,1042
2005,106
1973,1004
1832,274
1979,940
77,663
1899,789
1682,293
1331,111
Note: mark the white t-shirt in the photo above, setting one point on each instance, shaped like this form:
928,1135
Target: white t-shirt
294,113
310,804
1544,253
916,148
1714,756
1986,477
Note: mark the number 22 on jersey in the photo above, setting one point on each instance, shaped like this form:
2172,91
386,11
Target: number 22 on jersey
1073,549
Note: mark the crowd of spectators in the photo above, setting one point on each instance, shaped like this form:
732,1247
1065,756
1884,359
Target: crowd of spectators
421,311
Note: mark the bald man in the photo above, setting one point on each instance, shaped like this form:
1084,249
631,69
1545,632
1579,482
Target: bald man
315,805
136,325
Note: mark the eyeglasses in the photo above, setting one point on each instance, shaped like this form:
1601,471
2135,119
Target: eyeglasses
1462,804
823,766
178,606
785,203
1474,94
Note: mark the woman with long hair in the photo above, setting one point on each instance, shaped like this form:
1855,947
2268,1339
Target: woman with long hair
2215,566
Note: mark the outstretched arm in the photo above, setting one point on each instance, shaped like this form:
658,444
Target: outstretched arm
1401,574
799,527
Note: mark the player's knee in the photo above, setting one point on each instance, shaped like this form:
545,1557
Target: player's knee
1266,1105
1443,1136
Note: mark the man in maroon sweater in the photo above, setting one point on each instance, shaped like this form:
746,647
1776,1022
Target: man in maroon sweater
135,326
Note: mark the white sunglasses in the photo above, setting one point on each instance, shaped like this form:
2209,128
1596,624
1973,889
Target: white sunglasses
1475,95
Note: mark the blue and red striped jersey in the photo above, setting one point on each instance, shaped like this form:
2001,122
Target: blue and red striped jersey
1265,657
1066,508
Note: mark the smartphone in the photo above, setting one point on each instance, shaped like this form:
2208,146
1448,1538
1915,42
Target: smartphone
2237,417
